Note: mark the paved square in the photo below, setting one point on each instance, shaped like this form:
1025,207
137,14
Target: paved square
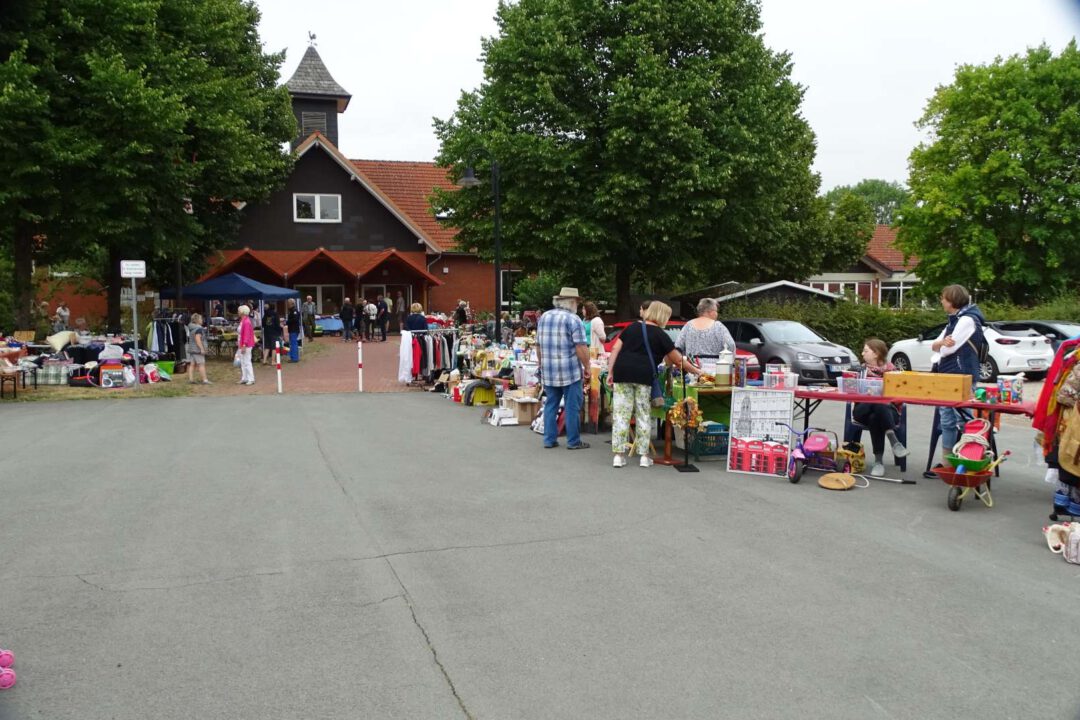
387,556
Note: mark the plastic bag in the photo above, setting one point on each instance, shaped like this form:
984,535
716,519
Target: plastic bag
236,359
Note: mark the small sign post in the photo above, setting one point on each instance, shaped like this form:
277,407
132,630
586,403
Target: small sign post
134,269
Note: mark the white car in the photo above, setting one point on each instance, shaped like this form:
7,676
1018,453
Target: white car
1011,351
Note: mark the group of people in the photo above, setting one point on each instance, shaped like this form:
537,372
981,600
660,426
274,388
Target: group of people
366,317
563,342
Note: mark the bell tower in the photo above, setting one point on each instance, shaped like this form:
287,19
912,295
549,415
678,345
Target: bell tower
317,99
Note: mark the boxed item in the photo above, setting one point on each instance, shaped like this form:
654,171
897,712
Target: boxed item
525,409
861,386
928,386
781,380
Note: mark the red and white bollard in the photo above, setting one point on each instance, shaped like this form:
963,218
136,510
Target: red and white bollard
360,365
277,363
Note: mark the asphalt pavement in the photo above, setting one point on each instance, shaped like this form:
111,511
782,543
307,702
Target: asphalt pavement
389,556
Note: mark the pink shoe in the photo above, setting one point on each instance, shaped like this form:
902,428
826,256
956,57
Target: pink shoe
7,658
7,678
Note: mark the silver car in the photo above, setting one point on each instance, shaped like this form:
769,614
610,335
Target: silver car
814,358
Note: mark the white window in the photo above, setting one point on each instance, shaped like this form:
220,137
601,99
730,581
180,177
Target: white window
309,207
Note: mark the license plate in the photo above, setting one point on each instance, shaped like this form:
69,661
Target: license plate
1040,364
837,368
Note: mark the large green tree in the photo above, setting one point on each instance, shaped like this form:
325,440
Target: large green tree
143,121
660,139
995,191
884,197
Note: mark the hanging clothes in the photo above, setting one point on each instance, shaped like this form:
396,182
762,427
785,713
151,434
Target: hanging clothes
405,358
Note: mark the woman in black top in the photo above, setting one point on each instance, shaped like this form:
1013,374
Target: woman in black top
271,332
631,376
292,324
416,320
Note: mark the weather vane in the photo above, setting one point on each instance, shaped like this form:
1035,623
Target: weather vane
311,38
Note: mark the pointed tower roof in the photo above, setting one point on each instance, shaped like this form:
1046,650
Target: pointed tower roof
313,79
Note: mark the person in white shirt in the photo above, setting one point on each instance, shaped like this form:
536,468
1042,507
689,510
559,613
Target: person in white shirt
957,352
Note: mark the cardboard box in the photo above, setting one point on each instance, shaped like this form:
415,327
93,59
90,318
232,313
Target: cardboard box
928,386
525,410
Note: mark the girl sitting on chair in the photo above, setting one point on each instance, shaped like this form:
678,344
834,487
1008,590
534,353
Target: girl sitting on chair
880,419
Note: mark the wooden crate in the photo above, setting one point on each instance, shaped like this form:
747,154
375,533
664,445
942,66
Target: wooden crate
928,386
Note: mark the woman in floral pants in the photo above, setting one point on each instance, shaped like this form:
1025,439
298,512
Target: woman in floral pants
631,377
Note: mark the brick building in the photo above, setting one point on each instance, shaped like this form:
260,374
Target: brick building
352,228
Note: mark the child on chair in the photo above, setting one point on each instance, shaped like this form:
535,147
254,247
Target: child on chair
880,419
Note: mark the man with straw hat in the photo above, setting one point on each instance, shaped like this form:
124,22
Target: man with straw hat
564,358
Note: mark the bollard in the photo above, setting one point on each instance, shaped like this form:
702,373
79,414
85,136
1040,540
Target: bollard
277,363
360,365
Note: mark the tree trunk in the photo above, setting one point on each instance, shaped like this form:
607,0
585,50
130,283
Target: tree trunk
112,274
24,273
623,311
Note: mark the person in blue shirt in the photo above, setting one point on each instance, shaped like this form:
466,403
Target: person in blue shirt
564,360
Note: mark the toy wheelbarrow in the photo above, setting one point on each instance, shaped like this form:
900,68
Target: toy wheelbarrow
965,481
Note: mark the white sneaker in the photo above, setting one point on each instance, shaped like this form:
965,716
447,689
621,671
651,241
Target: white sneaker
619,461
646,461
878,470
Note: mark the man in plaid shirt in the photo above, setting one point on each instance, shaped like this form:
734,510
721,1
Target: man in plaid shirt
564,358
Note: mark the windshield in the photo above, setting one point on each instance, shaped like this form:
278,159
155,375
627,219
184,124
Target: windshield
787,331
1068,329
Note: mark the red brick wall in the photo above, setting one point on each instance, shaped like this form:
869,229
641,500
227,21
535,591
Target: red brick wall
468,278
85,298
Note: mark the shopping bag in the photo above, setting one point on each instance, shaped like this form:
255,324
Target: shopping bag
236,359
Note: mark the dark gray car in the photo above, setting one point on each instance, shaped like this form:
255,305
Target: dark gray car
814,358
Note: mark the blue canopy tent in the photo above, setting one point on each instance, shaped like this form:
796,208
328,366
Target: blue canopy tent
232,287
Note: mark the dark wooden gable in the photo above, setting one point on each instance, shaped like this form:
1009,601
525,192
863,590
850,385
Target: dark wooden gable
366,224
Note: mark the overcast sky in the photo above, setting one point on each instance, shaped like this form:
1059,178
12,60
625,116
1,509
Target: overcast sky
868,66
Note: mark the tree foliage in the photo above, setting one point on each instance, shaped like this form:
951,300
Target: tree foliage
884,197
848,230
658,139
122,112
995,192
535,292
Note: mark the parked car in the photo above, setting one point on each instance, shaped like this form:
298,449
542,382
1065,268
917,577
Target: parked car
814,358
753,368
1057,330
1012,350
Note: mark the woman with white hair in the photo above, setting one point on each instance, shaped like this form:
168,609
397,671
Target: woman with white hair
245,343
705,335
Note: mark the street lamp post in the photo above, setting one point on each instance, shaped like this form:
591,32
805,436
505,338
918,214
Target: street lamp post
469,180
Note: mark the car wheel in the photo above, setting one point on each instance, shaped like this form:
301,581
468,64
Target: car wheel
901,362
988,370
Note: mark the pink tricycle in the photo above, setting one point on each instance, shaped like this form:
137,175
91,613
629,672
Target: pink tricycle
816,449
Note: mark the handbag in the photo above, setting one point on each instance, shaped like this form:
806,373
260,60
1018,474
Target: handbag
657,394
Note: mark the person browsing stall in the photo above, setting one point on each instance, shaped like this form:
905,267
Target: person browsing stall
631,379
880,419
956,349
245,343
705,334
196,349
594,326
346,315
416,320
271,332
564,358
292,325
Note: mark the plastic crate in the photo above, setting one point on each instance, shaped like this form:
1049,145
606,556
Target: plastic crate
710,441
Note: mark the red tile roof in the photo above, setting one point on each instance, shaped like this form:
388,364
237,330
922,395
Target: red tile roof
882,248
290,262
408,185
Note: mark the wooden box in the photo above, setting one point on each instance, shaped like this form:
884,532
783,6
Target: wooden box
928,386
